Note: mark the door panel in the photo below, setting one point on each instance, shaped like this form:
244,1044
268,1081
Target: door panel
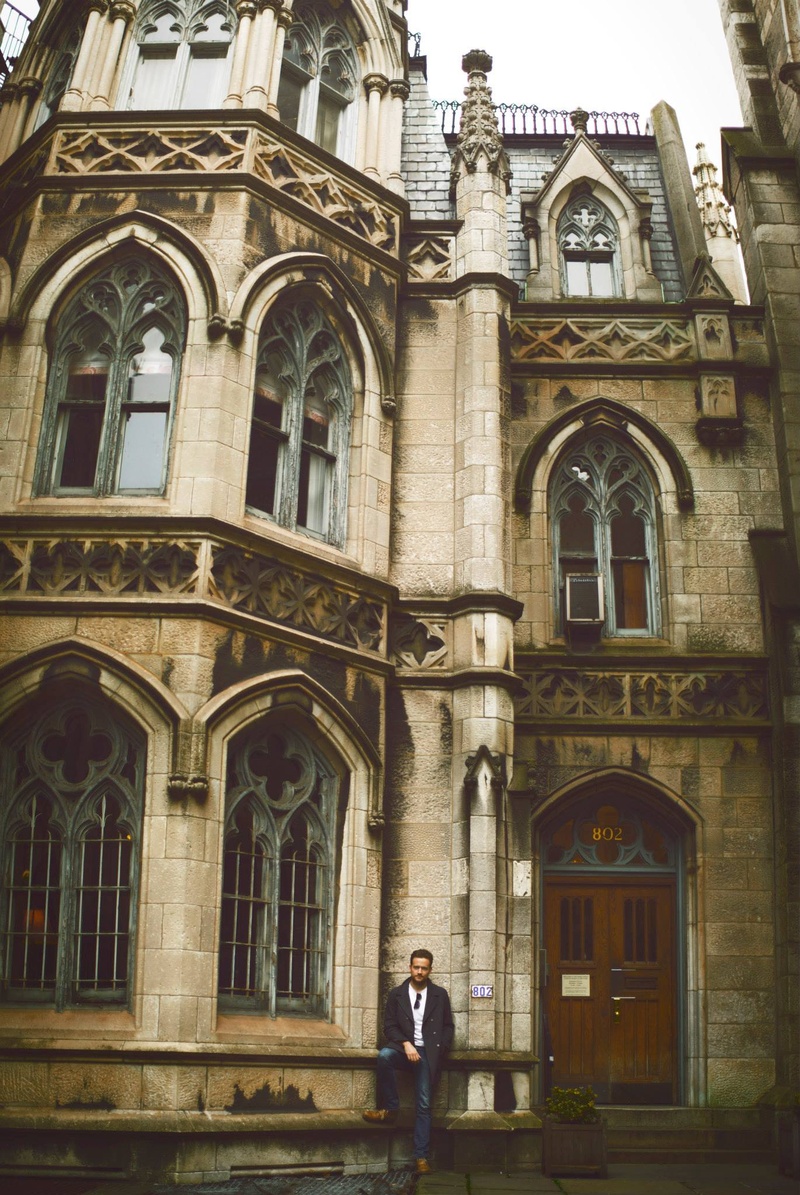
614,939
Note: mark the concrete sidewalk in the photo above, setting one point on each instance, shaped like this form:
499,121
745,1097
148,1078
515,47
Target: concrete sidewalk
622,1180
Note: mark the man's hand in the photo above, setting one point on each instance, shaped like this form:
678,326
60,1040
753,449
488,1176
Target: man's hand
412,1053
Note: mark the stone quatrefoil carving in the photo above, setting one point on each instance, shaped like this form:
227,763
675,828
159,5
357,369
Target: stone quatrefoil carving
556,693
602,340
230,576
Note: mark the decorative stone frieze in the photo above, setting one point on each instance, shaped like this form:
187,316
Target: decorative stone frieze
556,693
419,643
654,339
253,583
430,258
155,151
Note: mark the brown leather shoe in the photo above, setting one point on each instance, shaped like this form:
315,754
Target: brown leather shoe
422,1166
380,1115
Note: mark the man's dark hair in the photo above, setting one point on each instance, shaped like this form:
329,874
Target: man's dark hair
421,954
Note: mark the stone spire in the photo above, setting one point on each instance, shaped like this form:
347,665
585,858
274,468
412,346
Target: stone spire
715,212
721,236
479,136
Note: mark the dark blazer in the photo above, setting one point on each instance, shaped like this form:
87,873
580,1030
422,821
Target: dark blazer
437,1027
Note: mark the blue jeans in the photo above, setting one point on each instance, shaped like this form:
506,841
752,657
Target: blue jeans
390,1061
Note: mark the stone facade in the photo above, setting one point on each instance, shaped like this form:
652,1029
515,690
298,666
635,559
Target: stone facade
322,688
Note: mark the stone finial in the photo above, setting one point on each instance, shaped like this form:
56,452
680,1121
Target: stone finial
714,211
479,135
580,121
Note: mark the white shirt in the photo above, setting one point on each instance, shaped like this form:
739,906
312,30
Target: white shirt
418,1013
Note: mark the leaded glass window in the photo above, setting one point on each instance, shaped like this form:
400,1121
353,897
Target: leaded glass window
72,782
112,385
603,518
318,78
588,243
300,432
181,56
277,884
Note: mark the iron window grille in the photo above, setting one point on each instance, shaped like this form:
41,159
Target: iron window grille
300,431
181,55
318,79
588,243
277,886
112,385
70,835
603,517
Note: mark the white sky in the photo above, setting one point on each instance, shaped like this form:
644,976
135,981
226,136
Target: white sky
612,55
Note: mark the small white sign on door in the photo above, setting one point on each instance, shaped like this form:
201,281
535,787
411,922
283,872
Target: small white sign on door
576,985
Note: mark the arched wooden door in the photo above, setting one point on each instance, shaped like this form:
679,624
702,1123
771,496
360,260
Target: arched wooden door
610,993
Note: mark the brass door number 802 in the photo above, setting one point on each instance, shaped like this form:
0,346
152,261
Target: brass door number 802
606,833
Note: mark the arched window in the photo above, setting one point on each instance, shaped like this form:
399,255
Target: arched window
112,384
277,882
319,78
604,525
588,246
73,780
182,54
300,434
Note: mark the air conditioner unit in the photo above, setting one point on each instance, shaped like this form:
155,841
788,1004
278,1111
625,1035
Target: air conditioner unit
584,598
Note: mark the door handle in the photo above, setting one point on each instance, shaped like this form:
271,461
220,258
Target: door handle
616,1001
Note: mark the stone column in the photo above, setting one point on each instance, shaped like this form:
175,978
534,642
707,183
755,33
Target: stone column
392,136
531,230
260,58
73,98
24,94
375,86
285,19
246,12
122,12
9,102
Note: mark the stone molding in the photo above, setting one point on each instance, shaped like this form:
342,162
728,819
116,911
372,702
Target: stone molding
563,693
479,135
87,568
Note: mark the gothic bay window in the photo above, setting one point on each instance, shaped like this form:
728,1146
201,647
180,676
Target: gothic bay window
112,385
318,79
300,429
603,516
277,892
182,53
70,829
588,243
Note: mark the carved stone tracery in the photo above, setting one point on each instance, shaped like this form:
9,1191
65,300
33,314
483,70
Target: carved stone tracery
602,339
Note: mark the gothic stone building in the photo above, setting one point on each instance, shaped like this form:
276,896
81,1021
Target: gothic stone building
379,508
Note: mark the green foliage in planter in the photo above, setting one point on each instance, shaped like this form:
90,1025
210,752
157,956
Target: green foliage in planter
572,1105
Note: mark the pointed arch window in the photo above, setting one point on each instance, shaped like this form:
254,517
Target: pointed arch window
588,244
318,79
603,518
71,825
300,433
112,385
181,55
277,886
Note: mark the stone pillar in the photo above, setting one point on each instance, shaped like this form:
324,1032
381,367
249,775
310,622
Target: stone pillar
285,19
26,92
122,12
246,11
722,238
686,220
375,86
392,136
260,58
73,98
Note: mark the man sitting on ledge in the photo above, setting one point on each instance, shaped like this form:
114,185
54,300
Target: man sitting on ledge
418,1027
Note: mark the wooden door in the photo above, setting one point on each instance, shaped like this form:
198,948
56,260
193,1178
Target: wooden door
610,987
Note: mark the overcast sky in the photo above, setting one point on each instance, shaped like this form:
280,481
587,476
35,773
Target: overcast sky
618,55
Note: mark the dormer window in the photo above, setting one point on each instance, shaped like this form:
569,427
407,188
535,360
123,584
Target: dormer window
182,57
588,242
318,79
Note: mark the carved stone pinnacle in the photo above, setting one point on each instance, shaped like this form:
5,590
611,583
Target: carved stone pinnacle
477,60
580,120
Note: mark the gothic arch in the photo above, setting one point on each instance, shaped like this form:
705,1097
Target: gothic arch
675,809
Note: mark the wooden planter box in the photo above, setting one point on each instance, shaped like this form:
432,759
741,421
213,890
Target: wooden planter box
789,1142
574,1148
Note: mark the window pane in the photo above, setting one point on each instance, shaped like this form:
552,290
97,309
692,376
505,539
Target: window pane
299,921
316,421
150,372
205,80
577,528
143,441
312,498
262,469
577,278
630,595
77,447
602,278
103,905
244,905
328,115
290,93
154,82
34,905
627,532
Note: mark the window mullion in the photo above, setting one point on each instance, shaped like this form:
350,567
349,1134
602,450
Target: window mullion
181,71
271,927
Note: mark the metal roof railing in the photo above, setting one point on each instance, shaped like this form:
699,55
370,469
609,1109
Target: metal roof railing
529,120
15,26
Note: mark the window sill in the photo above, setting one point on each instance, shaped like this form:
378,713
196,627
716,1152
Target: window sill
244,1028
47,1023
